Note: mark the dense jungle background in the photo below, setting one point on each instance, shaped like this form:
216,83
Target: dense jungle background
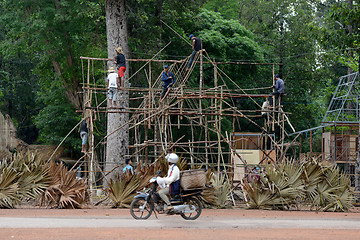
41,42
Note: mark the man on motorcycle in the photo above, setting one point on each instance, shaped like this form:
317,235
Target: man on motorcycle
172,180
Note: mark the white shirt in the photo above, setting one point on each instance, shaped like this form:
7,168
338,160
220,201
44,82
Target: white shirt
173,174
264,107
112,80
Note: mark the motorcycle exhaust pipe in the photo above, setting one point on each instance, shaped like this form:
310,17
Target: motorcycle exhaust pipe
183,209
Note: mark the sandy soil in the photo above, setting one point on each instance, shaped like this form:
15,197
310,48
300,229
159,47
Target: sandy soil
265,232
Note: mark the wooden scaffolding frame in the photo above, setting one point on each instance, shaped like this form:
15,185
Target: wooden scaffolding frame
199,110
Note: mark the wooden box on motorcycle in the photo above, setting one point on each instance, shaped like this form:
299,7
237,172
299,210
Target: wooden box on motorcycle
193,179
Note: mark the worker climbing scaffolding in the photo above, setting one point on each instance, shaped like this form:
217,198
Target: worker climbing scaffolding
168,79
167,76
196,46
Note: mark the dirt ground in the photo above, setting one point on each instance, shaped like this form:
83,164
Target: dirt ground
174,227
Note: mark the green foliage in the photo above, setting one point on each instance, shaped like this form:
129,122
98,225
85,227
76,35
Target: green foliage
18,86
41,42
229,9
227,39
340,32
56,118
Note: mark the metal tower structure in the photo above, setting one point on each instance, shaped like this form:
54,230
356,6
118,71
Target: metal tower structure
344,105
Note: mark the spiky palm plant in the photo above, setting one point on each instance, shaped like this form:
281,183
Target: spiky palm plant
122,188
23,178
218,191
288,185
330,189
278,188
34,177
122,192
222,188
8,187
144,173
65,190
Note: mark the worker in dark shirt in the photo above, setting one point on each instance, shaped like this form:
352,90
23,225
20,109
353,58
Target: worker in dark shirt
196,46
120,61
168,78
84,135
279,89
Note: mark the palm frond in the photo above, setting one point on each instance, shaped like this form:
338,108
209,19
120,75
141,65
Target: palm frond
65,190
311,183
23,178
121,192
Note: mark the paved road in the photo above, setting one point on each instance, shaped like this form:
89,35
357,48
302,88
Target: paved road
101,224
176,222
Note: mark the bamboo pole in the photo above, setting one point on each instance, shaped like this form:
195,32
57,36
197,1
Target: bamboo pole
300,146
191,145
178,61
273,97
90,154
150,95
219,129
311,143
87,115
200,85
206,141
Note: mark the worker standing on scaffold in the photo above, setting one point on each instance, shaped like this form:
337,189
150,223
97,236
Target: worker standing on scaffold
112,86
169,79
120,61
196,46
84,131
279,89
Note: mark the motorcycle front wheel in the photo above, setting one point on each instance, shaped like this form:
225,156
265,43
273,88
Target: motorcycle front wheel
194,204
140,209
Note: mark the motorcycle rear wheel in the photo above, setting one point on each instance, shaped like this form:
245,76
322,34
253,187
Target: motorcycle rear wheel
193,203
140,209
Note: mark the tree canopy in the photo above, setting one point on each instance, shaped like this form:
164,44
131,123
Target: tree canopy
41,42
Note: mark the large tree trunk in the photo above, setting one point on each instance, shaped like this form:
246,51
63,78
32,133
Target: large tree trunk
117,142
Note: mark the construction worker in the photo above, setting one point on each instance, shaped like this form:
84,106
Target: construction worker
112,85
279,89
120,61
168,78
83,135
196,46
264,108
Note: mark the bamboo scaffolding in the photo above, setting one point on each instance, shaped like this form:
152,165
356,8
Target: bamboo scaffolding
199,111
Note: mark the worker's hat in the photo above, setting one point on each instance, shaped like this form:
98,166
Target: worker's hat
111,69
166,66
119,49
191,35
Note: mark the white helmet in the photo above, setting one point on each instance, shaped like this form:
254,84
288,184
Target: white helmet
172,158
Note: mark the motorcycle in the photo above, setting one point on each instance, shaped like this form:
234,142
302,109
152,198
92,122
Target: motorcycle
186,204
